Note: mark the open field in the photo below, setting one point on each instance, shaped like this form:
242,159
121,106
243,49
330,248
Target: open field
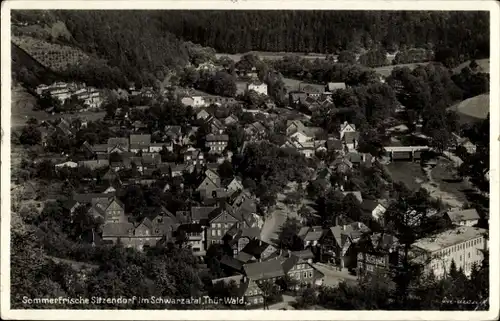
484,66
22,109
472,109
442,175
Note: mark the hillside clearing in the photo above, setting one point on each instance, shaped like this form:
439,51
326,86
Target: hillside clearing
472,109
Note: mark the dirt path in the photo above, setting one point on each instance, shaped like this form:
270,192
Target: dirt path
435,192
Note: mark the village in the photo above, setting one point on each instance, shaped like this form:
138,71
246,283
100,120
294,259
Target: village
223,210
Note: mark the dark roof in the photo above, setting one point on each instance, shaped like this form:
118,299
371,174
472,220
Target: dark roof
89,197
244,257
350,137
334,144
290,262
191,228
232,262
140,139
264,270
463,215
255,247
201,213
304,254
117,229
369,205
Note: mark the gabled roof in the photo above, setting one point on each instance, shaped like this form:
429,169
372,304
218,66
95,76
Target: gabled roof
244,257
264,270
369,205
232,262
140,139
304,254
256,247
356,194
463,215
199,213
118,141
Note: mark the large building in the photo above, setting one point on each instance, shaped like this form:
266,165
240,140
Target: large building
463,244
258,87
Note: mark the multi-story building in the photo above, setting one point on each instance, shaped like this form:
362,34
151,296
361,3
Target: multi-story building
464,245
216,143
258,87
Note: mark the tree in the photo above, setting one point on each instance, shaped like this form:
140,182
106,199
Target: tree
347,57
287,236
223,84
225,171
30,135
236,137
307,299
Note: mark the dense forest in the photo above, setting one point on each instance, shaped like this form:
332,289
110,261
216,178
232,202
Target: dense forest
146,45
330,31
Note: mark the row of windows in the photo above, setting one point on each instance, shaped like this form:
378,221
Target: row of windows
304,275
459,247
300,266
219,225
216,233
258,300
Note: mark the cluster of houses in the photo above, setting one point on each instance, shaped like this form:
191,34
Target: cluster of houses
91,97
313,96
308,140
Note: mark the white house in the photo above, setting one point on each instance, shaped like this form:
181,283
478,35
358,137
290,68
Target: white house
67,164
346,128
235,185
464,245
300,137
374,208
258,87
469,217
202,114
194,101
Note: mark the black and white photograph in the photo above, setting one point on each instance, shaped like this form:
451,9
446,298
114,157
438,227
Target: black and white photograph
287,160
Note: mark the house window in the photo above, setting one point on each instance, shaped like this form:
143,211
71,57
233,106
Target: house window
310,274
261,300
468,255
460,258
305,274
213,225
256,300
213,232
218,232
218,225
